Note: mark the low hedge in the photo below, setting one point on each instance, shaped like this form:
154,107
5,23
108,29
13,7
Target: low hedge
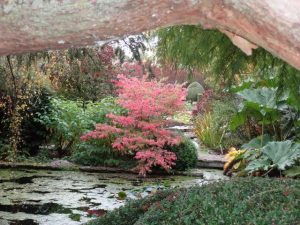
259,201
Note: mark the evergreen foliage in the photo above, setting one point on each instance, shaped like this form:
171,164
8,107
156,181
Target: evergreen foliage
186,155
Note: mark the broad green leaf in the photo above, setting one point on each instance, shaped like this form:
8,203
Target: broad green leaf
292,172
253,154
264,97
258,164
238,120
282,154
257,142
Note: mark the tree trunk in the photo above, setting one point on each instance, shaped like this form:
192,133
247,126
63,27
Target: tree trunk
33,25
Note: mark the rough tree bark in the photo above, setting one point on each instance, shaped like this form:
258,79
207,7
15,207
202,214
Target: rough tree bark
31,25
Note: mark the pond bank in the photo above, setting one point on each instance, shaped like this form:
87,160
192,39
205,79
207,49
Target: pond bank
66,165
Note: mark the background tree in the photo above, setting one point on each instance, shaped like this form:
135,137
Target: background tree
82,74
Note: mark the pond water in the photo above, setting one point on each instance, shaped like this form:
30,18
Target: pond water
30,197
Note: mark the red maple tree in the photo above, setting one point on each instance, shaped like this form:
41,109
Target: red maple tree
142,131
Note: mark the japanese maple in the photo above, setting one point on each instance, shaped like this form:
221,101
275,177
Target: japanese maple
142,131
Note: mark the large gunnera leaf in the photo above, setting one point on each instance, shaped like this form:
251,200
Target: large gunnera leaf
276,154
292,172
265,97
262,163
257,142
282,154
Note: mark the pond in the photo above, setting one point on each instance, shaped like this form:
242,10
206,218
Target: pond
31,197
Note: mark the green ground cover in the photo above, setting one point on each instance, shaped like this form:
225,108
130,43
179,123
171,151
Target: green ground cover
241,201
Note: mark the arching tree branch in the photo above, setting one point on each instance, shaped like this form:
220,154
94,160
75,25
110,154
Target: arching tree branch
53,24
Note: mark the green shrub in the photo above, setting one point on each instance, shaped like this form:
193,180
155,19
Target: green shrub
4,149
258,201
31,133
94,154
68,120
34,132
271,109
186,155
100,153
194,90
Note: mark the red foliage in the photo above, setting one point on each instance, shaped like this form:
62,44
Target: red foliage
106,55
166,72
136,69
141,131
96,212
203,104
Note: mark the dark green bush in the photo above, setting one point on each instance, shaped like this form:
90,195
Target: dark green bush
186,155
259,201
94,154
100,153
32,132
